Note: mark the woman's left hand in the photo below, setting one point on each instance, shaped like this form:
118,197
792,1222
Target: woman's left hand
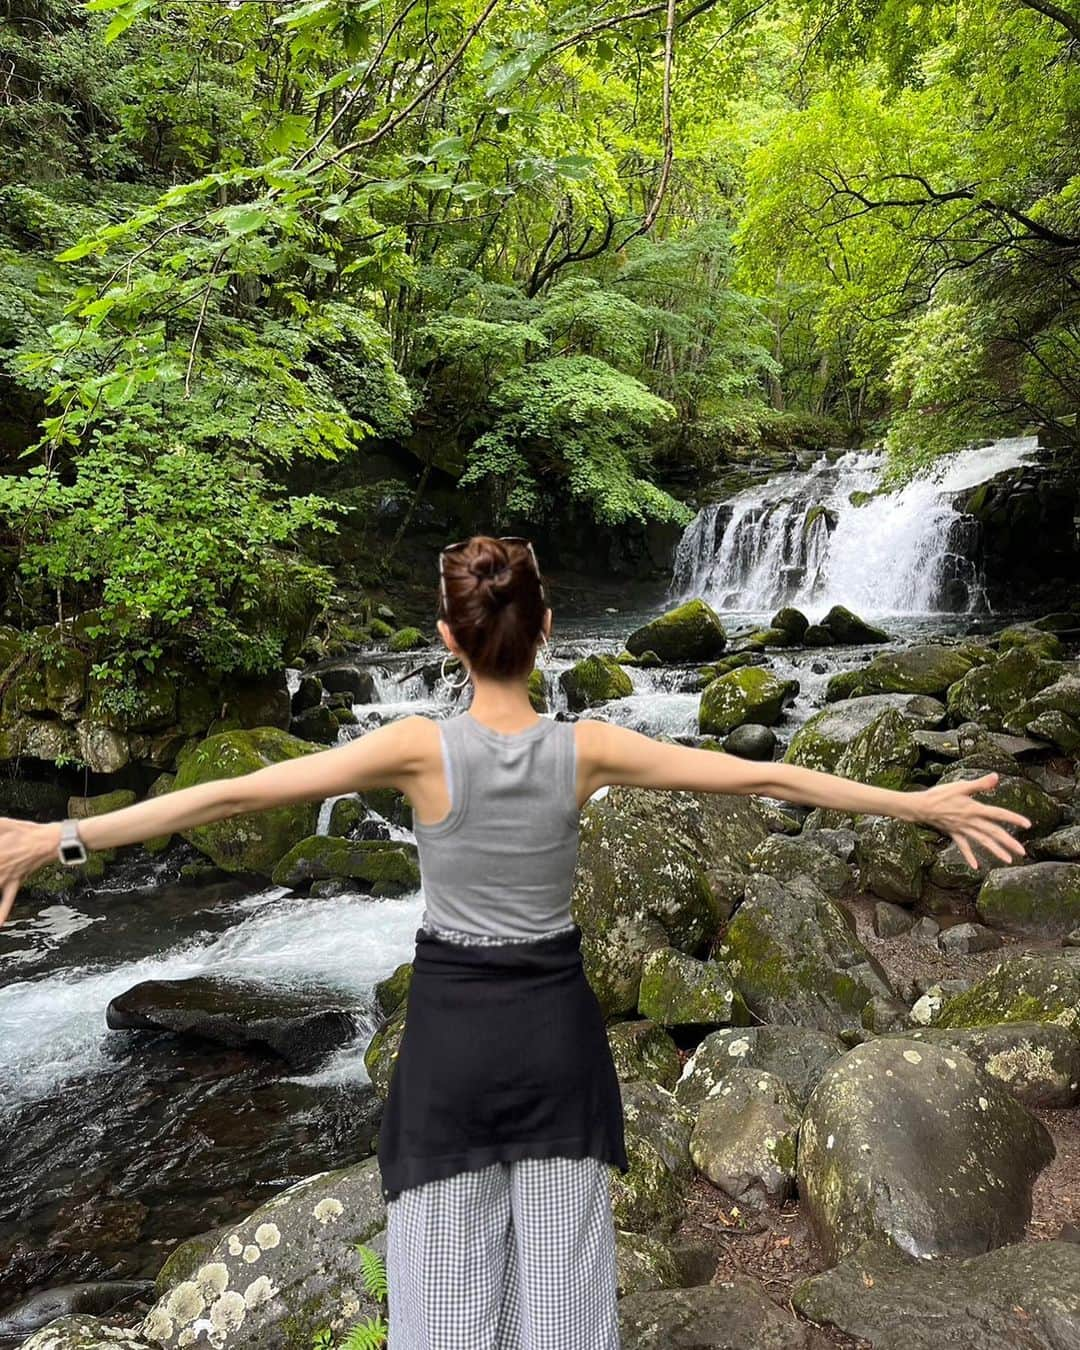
951,808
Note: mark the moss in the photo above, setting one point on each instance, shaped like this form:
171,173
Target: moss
406,640
687,633
596,679
749,694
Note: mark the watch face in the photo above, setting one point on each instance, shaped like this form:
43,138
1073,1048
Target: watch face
72,853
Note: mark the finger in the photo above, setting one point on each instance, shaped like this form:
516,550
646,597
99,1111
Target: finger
986,783
1010,817
1001,835
965,851
7,899
990,843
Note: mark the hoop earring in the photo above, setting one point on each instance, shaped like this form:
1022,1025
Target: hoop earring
450,684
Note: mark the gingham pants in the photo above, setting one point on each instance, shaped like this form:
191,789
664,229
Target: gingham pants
513,1256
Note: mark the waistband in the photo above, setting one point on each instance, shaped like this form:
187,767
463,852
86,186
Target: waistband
537,954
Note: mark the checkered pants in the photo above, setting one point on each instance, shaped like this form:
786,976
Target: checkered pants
513,1256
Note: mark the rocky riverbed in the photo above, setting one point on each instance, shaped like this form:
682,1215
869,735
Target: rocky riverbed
850,1066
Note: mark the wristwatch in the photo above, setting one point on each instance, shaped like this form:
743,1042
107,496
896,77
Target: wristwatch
72,850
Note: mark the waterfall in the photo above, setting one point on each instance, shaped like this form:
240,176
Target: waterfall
799,539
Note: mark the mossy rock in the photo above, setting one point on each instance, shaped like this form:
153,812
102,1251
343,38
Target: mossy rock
688,633
1025,988
1037,640
346,815
883,754
186,1257
749,694
926,668
382,867
745,1138
1036,899
1061,696
383,1049
594,680
83,808
650,1198
640,1048
994,692
787,858
407,640
823,738
537,687
254,841
798,1056
392,992
893,857
846,627
1013,792
680,990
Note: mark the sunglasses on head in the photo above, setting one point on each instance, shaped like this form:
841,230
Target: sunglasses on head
503,539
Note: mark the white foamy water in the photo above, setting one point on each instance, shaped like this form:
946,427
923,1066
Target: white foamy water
53,1029
902,552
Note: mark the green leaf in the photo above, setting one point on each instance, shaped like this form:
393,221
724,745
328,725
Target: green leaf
434,182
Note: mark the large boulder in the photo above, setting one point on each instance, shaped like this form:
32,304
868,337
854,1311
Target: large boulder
926,668
720,829
823,738
642,1049
892,856
635,889
1024,988
728,1315
1061,697
594,680
283,1273
96,1298
749,694
991,694
744,1138
914,1143
680,990
649,1198
1023,1295
794,958
1013,792
798,1056
882,754
1036,899
844,626
787,858
690,632
300,1028
256,840
1038,1062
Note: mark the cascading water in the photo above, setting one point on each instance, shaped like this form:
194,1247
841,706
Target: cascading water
800,540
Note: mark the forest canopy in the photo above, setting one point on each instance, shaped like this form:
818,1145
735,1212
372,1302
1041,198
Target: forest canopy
559,251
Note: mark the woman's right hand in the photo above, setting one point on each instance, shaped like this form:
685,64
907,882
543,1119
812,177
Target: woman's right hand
25,845
951,808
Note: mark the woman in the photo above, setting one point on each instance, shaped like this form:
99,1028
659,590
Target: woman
504,1114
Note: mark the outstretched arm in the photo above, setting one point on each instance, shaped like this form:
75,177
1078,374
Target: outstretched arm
616,754
384,757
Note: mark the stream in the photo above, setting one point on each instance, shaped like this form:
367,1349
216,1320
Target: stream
119,1143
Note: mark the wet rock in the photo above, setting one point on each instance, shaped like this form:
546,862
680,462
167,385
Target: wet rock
730,1315
383,1048
1012,792
964,938
908,1141
788,858
794,958
883,1014
952,872
301,1028
798,1056
642,1049
751,741
823,738
1063,845
594,680
342,678
926,668
749,694
680,990
643,1262
892,856
744,1138
285,1271
82,1332
1038,899
817,635
1058,728
381,867
1061,695
1037,1062
392,992
650,1197
1025,1294
846,627
882,754
636,889
98,1298
256,840
688,633
790,621
315,724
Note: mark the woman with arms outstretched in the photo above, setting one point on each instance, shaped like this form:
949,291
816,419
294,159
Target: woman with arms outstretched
504,1111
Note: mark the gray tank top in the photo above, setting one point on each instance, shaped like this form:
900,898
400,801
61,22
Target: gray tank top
502,860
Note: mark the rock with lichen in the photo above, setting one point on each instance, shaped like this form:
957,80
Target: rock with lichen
688,633
745,1137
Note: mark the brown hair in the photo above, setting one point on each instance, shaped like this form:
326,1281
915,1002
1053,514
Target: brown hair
495,602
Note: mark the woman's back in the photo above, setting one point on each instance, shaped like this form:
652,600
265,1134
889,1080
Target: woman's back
502,860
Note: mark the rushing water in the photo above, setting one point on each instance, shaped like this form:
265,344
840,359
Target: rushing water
117,1143
799,539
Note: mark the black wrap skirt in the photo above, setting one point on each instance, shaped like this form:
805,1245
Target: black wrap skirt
503,1056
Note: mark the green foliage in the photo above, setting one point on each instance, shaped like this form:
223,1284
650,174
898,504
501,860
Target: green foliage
372,1333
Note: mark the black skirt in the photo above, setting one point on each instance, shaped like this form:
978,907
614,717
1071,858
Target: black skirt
503,1056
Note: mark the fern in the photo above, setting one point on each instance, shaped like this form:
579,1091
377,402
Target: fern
374,1271
370,1335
